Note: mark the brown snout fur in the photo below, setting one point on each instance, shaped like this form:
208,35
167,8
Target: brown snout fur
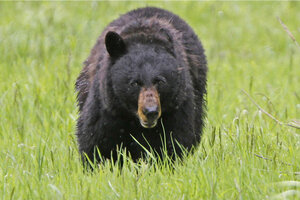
148,97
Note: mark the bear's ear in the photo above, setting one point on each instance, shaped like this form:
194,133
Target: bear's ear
115,45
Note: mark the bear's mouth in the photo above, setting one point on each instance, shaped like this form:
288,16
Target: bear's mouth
149,109
147,124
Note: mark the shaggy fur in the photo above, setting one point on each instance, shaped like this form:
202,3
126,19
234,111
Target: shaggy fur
145,48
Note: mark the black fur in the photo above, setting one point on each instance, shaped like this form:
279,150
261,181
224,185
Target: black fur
141,47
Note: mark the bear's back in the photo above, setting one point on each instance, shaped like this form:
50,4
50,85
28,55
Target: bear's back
151,12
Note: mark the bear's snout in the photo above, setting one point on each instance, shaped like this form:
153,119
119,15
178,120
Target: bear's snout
149,109
151,112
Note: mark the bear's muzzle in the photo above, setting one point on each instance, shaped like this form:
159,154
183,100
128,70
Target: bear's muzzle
149,109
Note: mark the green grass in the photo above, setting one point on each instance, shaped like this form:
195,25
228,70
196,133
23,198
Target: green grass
42,47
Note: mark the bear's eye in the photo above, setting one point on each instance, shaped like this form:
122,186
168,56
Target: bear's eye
135,83
159,80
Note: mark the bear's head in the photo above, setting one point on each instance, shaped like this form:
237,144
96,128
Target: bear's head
146,78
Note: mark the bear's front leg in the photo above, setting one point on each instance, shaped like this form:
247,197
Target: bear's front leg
179,126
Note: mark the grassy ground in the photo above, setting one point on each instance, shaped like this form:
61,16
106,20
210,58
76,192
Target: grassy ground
42,46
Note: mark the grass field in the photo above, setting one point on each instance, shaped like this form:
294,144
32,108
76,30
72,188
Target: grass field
244,154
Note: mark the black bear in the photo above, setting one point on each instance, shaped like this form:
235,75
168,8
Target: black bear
145,80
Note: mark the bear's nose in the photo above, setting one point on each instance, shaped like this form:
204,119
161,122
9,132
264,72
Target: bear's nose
151,112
